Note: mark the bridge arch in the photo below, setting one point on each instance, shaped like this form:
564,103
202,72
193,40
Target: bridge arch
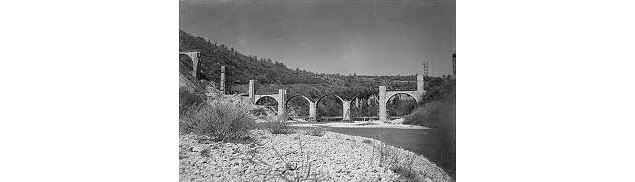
355,96
194,56
392,95
365,108
297,95
362,94
336,96
300,110
331,112
265,98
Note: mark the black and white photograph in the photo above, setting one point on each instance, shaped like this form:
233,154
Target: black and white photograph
317,90
305,90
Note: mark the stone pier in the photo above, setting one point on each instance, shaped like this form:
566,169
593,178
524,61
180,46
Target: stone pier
346,110
282,94
222,79
420,83
312,111
383,113
252,90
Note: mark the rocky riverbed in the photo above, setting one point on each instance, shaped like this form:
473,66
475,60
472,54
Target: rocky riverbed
302,155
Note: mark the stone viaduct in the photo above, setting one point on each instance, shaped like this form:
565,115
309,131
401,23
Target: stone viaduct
282,99
384,96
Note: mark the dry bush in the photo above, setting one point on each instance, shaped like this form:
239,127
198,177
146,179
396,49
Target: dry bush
442,117
399,162
187,99
278,125
426,115
222,121
298,170
367,141
316,131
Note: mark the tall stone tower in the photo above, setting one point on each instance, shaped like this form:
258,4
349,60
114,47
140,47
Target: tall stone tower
454,65
425,68
222,79
252,90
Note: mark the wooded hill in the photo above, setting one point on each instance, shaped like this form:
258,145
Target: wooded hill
272,75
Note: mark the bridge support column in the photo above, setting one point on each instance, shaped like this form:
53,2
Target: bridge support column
282,94
222,79
252,90
420,83
346,110
312,111
194,65
383,113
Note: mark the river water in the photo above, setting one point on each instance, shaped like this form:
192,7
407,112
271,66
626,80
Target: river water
420,141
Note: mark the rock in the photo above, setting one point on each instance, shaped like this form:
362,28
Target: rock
198,148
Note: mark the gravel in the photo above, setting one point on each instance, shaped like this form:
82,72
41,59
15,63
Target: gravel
331,157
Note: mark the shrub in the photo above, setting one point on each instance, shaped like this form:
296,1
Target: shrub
426,115
317,131
406,172
278,125
367,141
294,170
205,152
442,117
222,121
187,99
399,162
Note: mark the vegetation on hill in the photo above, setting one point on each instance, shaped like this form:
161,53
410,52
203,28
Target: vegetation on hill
438,110
271,75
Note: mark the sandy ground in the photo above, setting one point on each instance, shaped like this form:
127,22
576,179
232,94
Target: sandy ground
361,124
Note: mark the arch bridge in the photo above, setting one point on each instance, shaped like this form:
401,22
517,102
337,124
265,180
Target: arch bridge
282,100
384,95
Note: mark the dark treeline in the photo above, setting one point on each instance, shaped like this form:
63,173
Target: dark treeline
272,75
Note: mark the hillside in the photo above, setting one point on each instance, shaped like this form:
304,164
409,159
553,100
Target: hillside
242,68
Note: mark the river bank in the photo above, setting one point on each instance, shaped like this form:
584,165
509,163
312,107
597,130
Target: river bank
330,157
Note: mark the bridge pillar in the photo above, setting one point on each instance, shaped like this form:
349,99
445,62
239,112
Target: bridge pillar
282,96
222,79
346,110
252,90
420,83
312,111
383,113
194,65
